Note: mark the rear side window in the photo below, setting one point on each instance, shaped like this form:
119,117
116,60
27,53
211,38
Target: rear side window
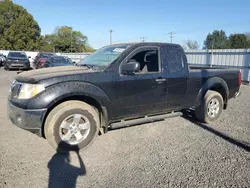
46,55
175,61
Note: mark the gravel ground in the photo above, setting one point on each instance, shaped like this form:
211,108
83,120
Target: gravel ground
177,152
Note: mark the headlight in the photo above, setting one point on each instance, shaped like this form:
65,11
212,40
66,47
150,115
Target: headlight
30,90
12,85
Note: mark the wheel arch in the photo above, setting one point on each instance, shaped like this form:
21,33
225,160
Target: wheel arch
102,110
215,84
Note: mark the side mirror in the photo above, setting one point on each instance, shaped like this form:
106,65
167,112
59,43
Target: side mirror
29,57
130,67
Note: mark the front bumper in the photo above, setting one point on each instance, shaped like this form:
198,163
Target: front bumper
237,94
13,65
30,120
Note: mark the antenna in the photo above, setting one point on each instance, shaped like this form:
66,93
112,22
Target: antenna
110,36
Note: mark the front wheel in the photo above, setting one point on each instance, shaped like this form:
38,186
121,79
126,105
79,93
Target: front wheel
72,125
211,107
6,68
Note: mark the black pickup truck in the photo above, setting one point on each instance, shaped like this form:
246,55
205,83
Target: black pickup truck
118,85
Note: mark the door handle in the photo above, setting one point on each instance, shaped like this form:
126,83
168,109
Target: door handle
160,80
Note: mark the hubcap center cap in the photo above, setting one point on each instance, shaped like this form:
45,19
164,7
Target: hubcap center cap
74,128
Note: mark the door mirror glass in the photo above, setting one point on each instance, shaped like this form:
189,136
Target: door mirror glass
130,67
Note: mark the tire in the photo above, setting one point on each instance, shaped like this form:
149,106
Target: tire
53,131
6,68
204,113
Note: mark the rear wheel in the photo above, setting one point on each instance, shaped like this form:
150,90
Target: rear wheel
72,125
211,107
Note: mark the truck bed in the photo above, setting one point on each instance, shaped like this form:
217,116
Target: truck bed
194,67
199,75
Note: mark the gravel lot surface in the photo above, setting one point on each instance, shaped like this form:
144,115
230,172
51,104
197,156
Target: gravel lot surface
177,152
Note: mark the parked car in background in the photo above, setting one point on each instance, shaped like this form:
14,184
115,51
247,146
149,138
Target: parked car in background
2,59
69,60
55,61
17,60
41,58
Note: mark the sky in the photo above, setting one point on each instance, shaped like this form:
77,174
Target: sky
133,19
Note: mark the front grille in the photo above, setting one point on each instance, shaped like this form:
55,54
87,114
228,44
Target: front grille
20,62
17,65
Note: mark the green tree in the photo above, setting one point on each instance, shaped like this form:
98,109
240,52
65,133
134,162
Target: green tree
65,39
248,38
217,40
238,41
18,29
46,44
88,48
248,35
191,45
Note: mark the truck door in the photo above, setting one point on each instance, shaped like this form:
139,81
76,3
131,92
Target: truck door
145,91
176,71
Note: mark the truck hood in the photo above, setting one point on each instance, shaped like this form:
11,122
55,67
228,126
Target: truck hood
34,76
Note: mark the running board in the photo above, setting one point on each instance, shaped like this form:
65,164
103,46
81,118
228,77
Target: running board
146,119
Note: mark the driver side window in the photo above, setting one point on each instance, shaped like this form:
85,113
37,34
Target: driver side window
148,60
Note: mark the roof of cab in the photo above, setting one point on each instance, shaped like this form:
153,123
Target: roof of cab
145,44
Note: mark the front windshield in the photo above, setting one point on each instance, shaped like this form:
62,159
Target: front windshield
17,54
104,56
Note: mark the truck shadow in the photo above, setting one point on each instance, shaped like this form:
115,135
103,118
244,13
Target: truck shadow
189,115
62,173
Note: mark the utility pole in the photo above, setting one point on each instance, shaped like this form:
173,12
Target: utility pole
71,39
143,39
71,42
212,54
110,36
171,36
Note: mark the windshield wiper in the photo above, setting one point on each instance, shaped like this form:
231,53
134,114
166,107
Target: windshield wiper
85,65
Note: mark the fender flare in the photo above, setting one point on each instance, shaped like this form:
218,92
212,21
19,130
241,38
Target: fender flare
212,83
56,93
